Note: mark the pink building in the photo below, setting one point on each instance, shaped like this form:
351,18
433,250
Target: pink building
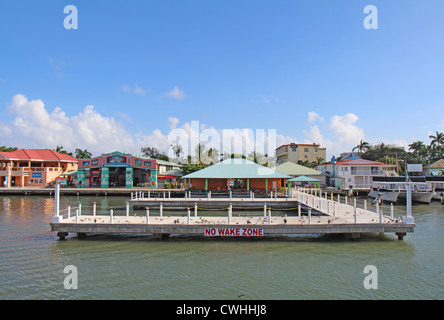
33,167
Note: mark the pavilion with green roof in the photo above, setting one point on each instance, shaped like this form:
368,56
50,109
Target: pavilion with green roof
235,173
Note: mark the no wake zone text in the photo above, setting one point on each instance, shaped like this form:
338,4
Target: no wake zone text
234,232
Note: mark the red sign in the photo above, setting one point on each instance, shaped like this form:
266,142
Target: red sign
234,232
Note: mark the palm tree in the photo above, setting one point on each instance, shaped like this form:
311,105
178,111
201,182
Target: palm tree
437,140
416,146
83,154
362,146
317,162
60,149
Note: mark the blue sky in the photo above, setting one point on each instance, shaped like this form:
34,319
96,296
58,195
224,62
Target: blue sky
149,66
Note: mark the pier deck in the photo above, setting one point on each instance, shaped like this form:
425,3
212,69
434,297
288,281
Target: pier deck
312,215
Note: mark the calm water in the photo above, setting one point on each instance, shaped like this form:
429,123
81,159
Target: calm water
32,260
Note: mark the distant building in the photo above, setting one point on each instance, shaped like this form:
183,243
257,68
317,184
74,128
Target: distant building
117,169
34,167
358,173
349,155
299,152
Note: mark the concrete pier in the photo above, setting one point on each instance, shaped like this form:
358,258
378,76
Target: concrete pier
312,215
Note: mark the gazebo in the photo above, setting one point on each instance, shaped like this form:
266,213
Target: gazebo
316,182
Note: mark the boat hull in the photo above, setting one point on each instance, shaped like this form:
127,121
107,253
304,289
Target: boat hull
418,196
386,195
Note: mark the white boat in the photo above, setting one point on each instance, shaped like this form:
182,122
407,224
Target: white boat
422,191
437,183
384,194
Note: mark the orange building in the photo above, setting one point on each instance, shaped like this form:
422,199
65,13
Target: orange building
235,174
33,167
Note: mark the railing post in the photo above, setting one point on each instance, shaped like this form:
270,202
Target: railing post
161,209
299,210
147,215
127,209
269,216
356,215
392,211
80,209
111,216
69,212
94,209
195,209
334,209
77,215
265,209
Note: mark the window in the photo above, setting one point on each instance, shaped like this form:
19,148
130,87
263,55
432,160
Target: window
305,149
316,149
305,156
293,149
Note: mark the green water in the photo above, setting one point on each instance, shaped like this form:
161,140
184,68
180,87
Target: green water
32,260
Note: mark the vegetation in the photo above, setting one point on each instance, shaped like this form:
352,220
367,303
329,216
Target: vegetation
83,154
7,149
153,153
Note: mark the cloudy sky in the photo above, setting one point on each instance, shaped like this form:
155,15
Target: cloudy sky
147,73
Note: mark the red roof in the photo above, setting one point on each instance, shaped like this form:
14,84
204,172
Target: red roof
362,162
38,154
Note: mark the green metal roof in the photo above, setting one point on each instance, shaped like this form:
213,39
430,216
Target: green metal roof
236,169
304,179
294,169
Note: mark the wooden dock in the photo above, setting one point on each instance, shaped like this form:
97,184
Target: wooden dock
309,214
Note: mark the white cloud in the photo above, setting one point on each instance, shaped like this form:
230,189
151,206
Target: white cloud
266,100
173,121
176,93
313,116
136,90
344,129
34,126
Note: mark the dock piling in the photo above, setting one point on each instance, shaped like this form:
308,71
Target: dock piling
147,215
111,216
309,216
269,216
80,209
127,209
195,209
161,209
188,216
94,209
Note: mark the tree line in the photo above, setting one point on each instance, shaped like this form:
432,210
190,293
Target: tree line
418,152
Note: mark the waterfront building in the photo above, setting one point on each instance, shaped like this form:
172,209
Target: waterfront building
34,167
235,173
117,169
168,173
435,169
300,152
358,173
295,170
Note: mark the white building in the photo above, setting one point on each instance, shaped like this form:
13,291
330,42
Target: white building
358,173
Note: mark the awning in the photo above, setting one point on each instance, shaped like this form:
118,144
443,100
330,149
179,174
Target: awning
304,179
